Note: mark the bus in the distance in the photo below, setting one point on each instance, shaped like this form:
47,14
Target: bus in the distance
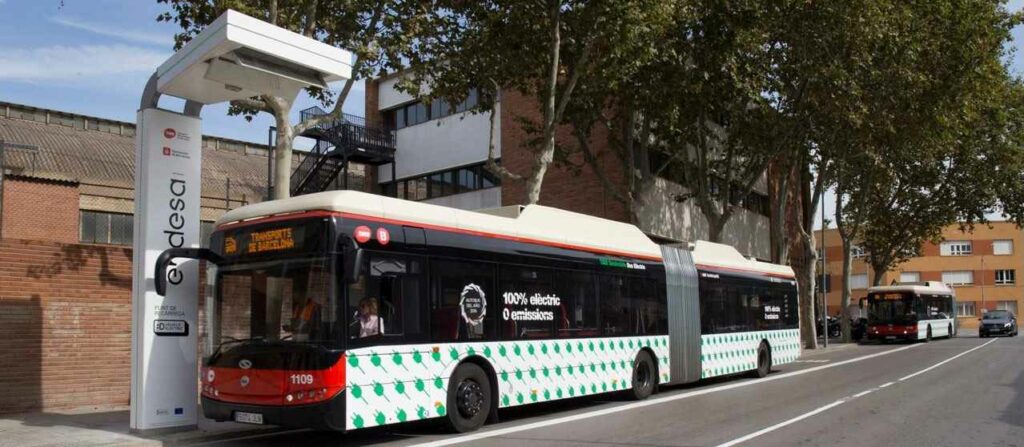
911,311
343,310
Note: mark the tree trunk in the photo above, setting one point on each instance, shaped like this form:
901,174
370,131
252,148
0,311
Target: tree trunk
716,225
804,269
283,148
879,273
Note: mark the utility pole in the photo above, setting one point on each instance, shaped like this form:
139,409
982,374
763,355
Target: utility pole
824,268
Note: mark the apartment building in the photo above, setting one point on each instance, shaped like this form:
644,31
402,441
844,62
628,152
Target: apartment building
981,265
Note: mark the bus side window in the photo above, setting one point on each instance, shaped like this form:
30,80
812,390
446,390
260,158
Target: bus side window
528,302
577,311
386,301
462,301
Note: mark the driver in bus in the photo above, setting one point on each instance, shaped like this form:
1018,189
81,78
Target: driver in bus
370,323
305,319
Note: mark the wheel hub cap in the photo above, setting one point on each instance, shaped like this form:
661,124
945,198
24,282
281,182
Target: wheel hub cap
470,398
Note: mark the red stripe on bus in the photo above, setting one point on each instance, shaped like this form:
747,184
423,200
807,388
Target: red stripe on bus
273,386
502,236
276,218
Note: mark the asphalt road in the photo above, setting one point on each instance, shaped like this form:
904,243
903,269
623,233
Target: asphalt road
958,392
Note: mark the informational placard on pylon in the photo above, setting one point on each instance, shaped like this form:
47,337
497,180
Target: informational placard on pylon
167,184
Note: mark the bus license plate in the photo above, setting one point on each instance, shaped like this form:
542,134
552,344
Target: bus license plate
890,337
248,418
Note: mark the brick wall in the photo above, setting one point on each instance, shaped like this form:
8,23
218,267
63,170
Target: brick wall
40,210
65,319
581,191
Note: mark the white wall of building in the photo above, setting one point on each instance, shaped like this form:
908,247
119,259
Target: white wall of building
473,200
662,216
439,144
389,97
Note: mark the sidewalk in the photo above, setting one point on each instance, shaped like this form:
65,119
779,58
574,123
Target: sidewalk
88,428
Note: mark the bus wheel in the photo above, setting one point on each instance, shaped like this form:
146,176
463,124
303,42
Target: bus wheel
764,361
928,335
644,376
469,398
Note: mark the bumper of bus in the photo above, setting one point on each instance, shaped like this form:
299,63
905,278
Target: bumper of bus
327,415
884,335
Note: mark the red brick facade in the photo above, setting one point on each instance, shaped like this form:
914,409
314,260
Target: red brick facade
65,318
581,191
40,210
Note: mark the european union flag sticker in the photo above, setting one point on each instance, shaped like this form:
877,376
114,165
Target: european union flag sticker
179,411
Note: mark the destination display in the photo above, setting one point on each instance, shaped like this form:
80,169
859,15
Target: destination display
269,240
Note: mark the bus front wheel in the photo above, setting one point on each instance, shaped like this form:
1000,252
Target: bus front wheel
764,360
644,376
469,398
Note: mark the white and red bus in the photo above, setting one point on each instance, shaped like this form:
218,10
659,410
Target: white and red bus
911,311
343,310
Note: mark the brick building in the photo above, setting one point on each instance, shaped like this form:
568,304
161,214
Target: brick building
65,251
981,266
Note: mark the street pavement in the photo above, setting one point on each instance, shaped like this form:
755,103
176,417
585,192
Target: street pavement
965,391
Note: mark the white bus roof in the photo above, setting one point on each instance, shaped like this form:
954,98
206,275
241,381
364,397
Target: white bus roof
531,223
916,287
710,254
535,223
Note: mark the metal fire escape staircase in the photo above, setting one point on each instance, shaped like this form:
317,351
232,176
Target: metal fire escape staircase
338,142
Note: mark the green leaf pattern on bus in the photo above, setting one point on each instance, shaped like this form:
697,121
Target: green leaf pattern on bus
528,371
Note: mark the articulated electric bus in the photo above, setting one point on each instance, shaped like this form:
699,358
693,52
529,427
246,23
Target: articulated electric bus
911,311
343,310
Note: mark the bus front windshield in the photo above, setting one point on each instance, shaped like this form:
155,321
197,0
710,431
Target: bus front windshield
892,308
279,301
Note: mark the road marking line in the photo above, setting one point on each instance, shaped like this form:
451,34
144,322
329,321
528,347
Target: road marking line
649,402
863,393
947,360
782,424
844,400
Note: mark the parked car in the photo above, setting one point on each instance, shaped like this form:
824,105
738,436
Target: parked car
998,322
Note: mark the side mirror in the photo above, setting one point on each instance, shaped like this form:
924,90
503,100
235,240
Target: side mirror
165,258
352,259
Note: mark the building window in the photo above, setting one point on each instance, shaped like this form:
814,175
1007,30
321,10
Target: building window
955,248
859,281
97,227
965,308
444,183
1007,305
1004,277
1002,247
958,277
420,112
910,277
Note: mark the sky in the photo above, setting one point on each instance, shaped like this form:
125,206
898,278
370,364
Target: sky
93,57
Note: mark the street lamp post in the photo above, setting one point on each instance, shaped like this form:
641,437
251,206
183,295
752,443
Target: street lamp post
235,57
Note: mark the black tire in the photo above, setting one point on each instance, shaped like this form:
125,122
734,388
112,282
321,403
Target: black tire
764,361
469,398
928,335
645,376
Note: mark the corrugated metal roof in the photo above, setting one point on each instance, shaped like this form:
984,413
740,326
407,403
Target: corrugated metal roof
103,158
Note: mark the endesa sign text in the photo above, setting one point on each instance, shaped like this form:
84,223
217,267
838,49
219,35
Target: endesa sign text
167,183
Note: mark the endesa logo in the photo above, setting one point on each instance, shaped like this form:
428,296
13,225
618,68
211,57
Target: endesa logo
170,133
